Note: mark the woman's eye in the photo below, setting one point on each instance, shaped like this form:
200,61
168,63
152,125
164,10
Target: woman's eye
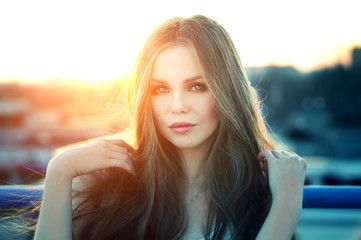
159,90
162,90
198,87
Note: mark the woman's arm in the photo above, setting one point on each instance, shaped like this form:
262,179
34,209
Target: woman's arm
56,211
55,219
286,173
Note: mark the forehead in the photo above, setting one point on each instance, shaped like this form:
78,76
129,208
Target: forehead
176,62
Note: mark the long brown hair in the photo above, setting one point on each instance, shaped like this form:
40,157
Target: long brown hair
150,205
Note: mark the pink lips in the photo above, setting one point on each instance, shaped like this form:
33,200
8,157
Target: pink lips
181,127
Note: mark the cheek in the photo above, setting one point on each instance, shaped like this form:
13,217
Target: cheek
211,114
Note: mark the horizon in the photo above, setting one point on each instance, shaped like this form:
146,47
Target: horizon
74,81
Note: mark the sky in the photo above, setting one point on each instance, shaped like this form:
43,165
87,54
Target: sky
99,40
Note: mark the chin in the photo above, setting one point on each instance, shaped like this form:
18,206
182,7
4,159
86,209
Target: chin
183,145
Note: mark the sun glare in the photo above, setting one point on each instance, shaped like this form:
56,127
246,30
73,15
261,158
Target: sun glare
92,42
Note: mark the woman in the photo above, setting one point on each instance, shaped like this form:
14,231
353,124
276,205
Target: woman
196,172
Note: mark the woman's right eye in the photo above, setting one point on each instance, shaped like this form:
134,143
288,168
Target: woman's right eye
159,90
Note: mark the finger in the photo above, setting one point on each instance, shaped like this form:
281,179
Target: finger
124,164
288,154
118,155
116,148
266,157
121,143
277,154
303,163
266,154
293,153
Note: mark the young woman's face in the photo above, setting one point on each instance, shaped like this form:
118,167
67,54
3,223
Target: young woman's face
182,105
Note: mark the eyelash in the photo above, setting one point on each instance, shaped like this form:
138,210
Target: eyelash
155,89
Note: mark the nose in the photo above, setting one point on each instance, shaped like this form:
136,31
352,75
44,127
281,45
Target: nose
179,103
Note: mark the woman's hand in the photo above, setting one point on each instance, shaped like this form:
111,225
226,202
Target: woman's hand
286,172
93,156
55,218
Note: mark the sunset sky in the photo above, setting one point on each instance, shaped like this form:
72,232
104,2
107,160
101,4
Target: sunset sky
98,40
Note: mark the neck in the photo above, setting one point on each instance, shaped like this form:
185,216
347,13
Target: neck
194,166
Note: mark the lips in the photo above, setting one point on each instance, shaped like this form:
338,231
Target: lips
181,127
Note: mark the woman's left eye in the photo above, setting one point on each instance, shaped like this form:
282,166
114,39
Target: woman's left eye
198,87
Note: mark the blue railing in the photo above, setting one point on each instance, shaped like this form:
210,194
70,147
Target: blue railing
313,196
332,197
19,196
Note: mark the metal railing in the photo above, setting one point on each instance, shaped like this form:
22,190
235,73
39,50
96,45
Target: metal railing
20,196
332,197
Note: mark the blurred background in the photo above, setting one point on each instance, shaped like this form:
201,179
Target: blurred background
63,62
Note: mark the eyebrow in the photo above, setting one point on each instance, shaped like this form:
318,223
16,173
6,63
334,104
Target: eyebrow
185,80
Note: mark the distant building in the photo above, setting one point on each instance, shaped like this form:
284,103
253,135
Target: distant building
356,58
